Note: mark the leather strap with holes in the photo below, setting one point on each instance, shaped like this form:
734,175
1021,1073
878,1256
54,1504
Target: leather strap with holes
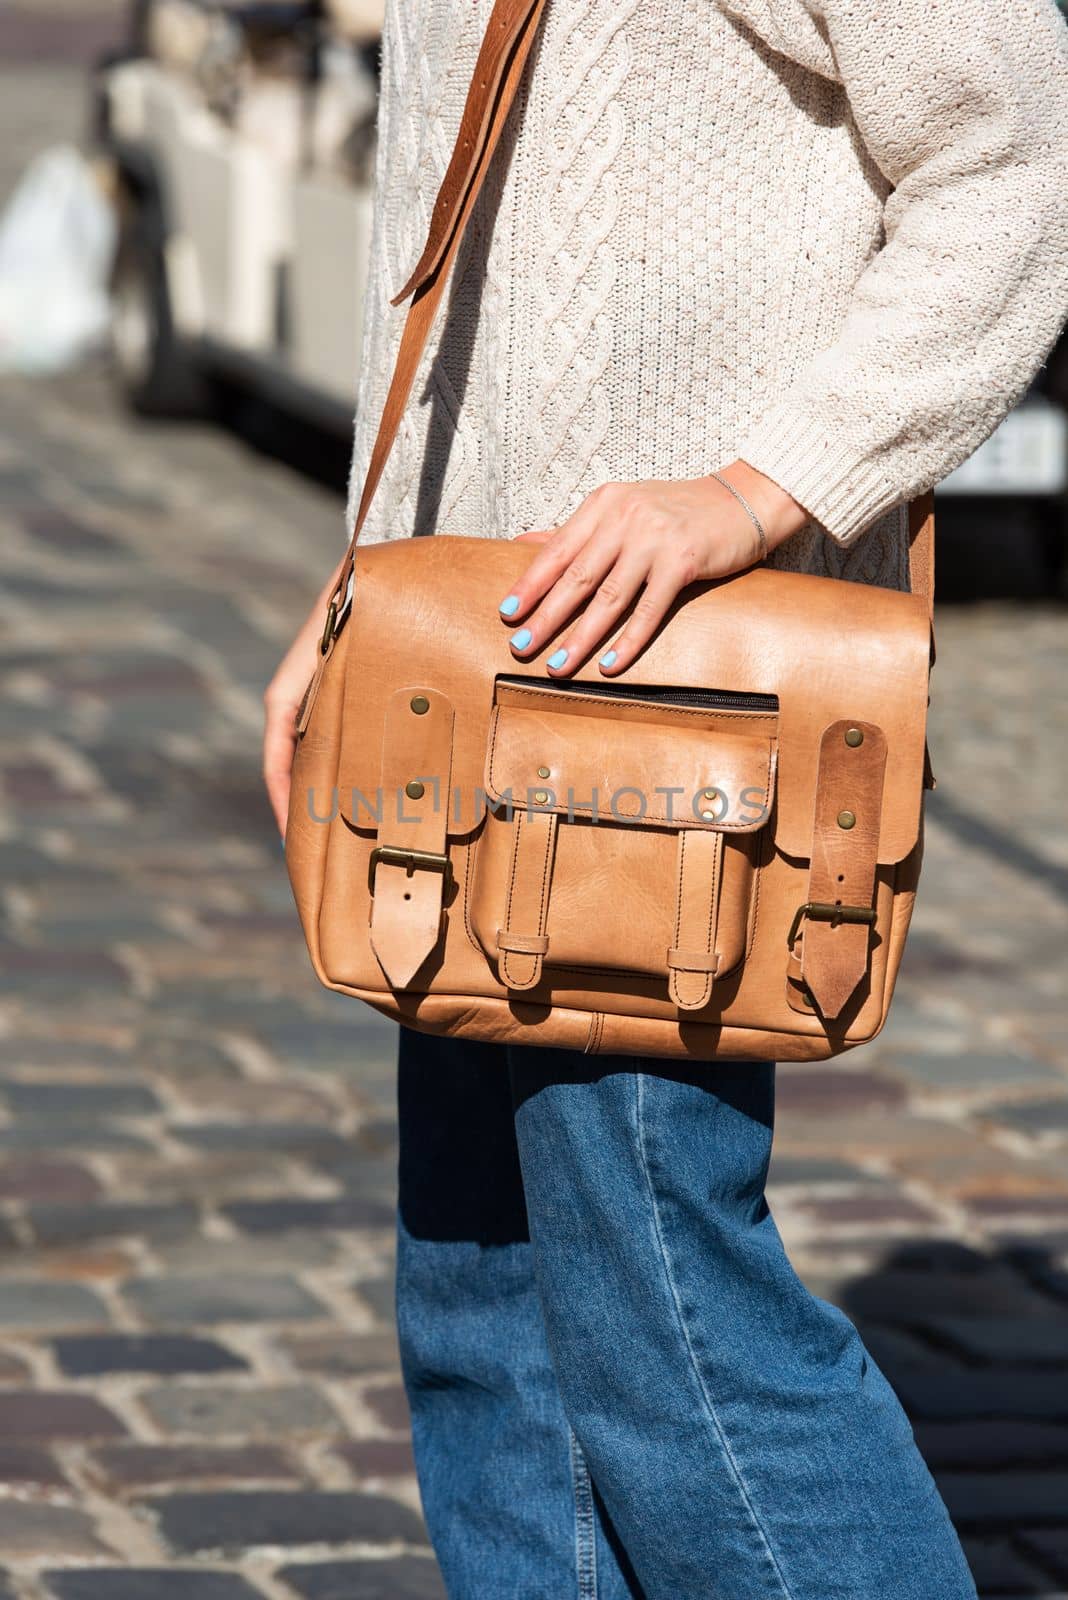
834,952
411,874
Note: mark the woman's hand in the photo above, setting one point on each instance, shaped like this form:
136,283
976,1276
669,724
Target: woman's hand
640,544
281,703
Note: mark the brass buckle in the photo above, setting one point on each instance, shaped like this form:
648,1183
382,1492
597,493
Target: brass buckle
395,855
328,631
827,911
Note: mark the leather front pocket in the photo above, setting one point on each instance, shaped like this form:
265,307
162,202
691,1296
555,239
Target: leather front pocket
624,832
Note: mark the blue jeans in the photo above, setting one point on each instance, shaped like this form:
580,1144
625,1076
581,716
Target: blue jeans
619,1387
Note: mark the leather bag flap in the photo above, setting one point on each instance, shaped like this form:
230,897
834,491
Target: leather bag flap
424,615
626,760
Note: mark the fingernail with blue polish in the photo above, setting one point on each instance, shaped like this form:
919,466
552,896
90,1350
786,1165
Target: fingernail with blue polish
557,659
521,639
509,607
609,658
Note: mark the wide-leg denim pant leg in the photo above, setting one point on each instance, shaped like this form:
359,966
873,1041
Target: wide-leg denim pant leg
740,1442
506,1491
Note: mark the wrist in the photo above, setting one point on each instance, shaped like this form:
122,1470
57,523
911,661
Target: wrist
780,514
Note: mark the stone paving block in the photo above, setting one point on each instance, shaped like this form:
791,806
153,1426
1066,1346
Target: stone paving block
998,1569
52,1134
970,1068
1050,1547
43,1414
835,1091
234,1522
791,1172
187,1301
68,1224
137,1467
1046,1116
982,1501
249,1413
952,1396
56,974
377,1458
29,1465
346,1047
179,1055
257,1101
407,1578
289,1138
21,862
298,1251
32,1303
993,1443
1048,1203
93,1355
389,1404
342,1354
367,1177
150,1583
380,1295
29,1529
14,1368
858,1210
38,1178
91,1100
344,1213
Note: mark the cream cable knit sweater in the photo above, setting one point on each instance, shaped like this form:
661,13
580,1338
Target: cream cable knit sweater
827,236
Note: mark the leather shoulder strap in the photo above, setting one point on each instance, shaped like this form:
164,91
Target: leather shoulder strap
502,56
498,69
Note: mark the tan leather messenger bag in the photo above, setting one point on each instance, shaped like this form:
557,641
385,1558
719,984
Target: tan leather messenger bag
713,854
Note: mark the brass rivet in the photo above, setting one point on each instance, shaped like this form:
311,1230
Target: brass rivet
543,772
420,704
846,819
414,790
708,794
709,816
541,798
854,737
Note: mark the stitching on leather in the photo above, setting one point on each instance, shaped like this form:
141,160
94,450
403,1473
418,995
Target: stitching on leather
546,876
469,890
713,908
766,848
493,785
558,696
516,842
680,878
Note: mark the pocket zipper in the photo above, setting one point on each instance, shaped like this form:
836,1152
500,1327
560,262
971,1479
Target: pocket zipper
701,699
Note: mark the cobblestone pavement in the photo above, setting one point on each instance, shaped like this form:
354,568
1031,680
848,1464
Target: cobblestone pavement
199,1397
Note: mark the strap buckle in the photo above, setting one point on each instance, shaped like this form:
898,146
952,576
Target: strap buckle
833,912
412,860
328,631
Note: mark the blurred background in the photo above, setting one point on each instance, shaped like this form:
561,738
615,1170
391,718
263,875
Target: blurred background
199,1397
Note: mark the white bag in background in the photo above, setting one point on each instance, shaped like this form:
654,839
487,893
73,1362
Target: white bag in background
57,240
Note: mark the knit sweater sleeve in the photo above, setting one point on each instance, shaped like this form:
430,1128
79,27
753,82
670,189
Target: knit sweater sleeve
963,109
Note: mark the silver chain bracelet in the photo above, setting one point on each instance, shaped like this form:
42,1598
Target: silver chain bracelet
744,503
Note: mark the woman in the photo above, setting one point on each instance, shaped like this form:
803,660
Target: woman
746,277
